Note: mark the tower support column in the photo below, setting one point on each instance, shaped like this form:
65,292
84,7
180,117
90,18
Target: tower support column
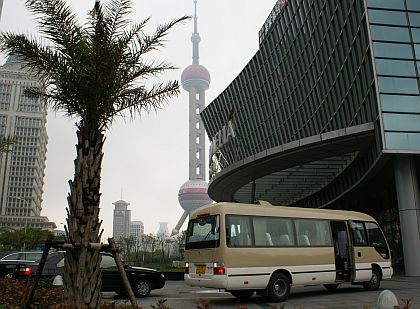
409,209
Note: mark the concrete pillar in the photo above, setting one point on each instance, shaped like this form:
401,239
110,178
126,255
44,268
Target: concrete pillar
409,208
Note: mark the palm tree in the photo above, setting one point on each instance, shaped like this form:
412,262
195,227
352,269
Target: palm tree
95,72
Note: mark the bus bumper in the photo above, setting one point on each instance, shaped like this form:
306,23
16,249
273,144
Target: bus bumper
214,281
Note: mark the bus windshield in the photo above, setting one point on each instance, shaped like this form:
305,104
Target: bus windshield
203,232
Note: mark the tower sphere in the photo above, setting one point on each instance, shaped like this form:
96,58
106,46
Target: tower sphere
193,194
195,76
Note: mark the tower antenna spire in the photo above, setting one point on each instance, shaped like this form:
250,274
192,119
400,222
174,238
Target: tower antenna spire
195,38
195,17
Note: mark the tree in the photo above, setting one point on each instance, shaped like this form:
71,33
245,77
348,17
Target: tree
6,144
179,241
95,73
14,239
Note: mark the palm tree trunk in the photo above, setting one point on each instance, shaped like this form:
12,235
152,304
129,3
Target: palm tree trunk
82,275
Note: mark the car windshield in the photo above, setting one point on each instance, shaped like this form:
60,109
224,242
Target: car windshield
203,232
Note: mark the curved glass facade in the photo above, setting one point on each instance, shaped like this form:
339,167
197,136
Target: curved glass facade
330,98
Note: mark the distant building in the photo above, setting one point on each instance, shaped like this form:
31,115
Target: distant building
1,7
122,219
163,231
137,231
22,168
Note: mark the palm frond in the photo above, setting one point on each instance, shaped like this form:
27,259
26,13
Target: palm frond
139,99
116,13
43,61
58,23
148,43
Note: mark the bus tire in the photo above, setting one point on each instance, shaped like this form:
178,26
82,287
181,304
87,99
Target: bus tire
242,294
331,287
278,287
374,282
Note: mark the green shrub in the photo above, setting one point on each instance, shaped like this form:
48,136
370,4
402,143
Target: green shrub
13,294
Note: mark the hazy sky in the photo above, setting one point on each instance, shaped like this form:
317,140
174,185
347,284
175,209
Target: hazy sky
146,160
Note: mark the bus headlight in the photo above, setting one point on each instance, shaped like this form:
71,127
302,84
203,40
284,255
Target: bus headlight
219,269
186,268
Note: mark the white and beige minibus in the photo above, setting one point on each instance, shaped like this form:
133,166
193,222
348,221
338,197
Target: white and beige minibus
245,248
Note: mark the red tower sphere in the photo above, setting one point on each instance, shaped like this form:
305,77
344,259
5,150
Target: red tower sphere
195,76
193,194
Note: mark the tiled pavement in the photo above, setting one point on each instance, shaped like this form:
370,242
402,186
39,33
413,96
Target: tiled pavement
181,296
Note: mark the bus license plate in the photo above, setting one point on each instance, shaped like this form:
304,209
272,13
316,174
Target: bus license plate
200,269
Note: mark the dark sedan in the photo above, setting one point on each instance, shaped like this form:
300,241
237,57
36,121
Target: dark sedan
142,280
9,261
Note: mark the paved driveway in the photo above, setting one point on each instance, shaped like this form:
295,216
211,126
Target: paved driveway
181,296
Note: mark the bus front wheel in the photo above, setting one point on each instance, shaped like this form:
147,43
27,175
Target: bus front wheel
242,294
279,287
374,282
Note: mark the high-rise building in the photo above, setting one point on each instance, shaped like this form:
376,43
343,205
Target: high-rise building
137,231
1,8
327,114
22,168
122,219
196,80
163,231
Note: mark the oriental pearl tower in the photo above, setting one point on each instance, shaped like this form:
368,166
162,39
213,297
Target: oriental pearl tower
195,79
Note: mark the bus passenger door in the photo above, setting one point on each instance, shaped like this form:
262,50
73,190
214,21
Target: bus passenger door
361,251
342,249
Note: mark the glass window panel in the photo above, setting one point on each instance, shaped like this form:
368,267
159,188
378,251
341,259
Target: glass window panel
239,231
377,239
398,85
399,140
393,50
401,122
203,232
413,5
273,232
387,17
417,49
388,4
414,18
313,233
395,67
400,103
359,235
416,35
418,66
108,262
60,263
392,34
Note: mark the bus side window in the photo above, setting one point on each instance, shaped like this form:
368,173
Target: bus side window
359,235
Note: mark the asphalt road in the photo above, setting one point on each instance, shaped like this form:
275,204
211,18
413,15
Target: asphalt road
180,296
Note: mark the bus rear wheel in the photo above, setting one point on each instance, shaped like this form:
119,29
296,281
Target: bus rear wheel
279,287
242,294
374,282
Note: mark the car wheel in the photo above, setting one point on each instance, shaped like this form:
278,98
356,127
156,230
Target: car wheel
331,287
142,288
278,287
242,294
374,282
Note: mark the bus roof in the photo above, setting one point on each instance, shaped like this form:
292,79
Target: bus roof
266,209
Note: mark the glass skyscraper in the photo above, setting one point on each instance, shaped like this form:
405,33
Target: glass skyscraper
327,114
